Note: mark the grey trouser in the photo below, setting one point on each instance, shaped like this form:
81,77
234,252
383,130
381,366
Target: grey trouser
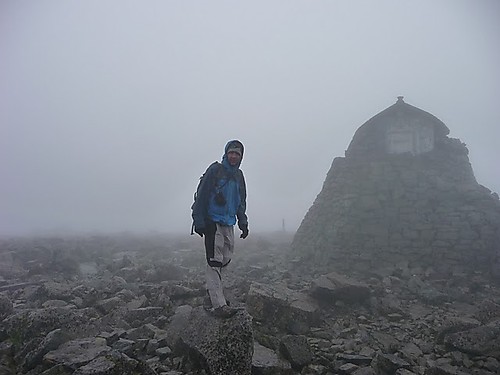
219,247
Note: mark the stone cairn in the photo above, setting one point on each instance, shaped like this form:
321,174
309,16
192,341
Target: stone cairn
405,193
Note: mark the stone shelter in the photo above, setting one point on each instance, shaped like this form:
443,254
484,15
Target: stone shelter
404,195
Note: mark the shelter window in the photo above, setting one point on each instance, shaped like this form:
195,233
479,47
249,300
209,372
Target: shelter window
404,137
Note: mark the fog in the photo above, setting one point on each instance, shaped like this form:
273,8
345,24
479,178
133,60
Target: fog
111,110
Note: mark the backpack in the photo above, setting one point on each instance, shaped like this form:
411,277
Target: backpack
218,174
196,193
199,183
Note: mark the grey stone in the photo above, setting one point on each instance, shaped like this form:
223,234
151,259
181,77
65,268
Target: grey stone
360,360
78,352
456,324
348,368
145,331
221,346
51,342
136,303
57,303
388,363
163,352
98,366
388,304
483,340
6,307
444,370
411,352
124,346
55,291
58,370
114,364
364,371
388,343
266,362
177,324
402,371
280,306
28,323
107,305
165,271
488,311
296,349
143,313
333,286
403,187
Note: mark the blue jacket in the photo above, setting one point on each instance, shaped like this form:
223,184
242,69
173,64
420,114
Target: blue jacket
229,181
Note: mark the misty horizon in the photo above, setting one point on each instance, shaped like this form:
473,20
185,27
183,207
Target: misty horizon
110,112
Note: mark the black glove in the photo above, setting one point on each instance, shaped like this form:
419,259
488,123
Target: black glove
200,231
244,230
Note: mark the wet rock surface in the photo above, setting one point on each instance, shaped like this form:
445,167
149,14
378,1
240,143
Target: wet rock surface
127,304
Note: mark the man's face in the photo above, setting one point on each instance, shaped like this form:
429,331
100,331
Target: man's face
233,158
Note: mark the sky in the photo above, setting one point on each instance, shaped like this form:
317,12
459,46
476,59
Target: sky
111,110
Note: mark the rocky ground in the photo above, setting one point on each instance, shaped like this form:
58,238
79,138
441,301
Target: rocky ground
125,304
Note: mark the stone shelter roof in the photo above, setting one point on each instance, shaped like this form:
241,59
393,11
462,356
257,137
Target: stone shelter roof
371,138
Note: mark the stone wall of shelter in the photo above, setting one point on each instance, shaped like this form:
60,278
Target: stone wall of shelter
419,211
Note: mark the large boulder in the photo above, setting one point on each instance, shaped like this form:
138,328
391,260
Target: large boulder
483,340
388,363
456,324
332,287
488,311
32,323
115,363
52,290
78,352
50,342
265,361
297,350
177,324
93,356
281,307
220,346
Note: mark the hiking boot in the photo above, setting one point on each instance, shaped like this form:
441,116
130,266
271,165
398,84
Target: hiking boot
224,311
207,303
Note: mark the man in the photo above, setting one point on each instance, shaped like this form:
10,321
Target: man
220,203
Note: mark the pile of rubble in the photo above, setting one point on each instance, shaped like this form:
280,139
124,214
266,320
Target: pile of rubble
134,305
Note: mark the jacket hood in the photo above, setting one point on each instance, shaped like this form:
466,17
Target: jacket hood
229,145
